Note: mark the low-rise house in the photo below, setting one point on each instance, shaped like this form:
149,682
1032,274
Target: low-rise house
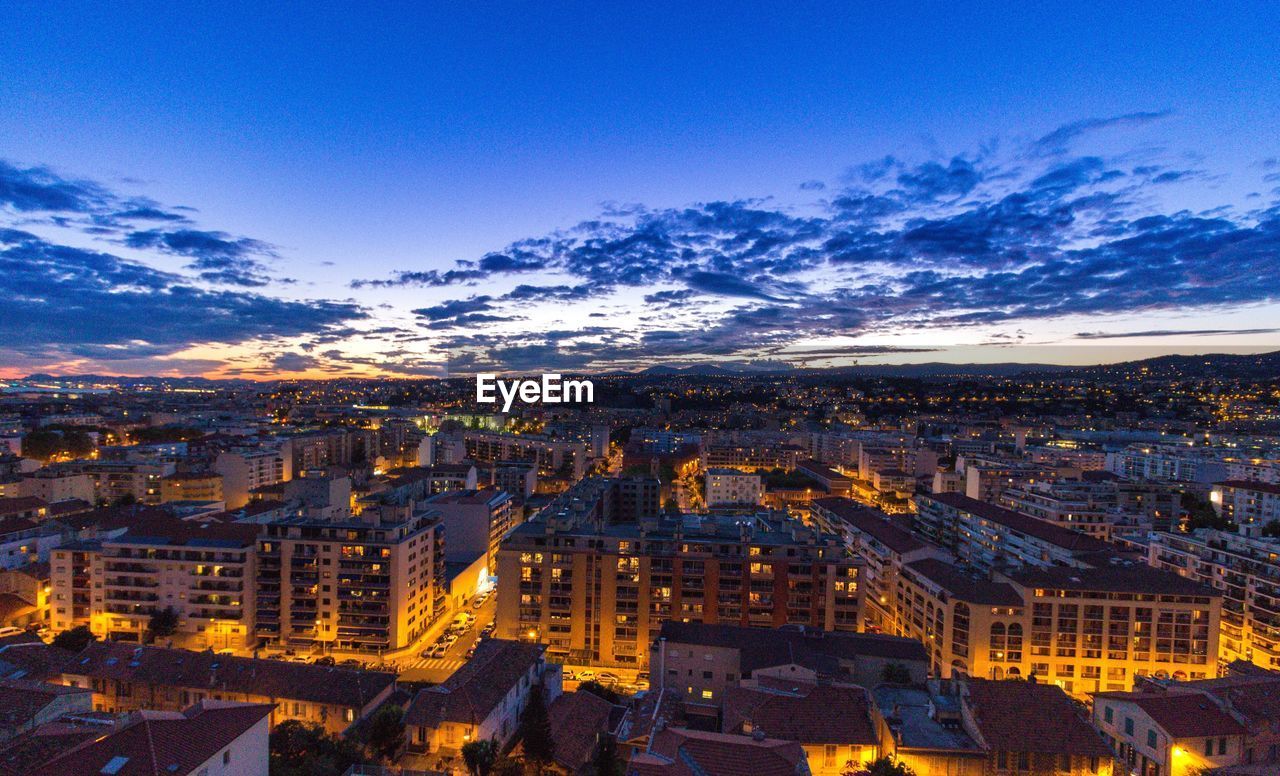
25,704
1175,728
483,700
126,677
582,723
1026,726
700,661
834,723
683,752
208,739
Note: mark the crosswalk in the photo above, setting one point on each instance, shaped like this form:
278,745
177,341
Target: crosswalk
434,664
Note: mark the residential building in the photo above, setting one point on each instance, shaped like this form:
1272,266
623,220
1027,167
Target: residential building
54,484
482,700
191,486
884,543
987,536
1252,506
1246,571
247,469
1170,733
128,677
681,752
366,584
835,724
733,487
699,662
207,739
596,586
203,572
475,522
750,458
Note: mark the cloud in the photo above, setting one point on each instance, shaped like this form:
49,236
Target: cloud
217,257
1058,140
36,189
65,302
1170,333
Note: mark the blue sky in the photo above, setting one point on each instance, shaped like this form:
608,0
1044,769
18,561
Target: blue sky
632,185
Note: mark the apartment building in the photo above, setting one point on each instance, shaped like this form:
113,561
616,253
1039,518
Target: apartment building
884,543
191,486
475,521
366,584
597,590
733,487
750,458
1084,630
53,484
1072,510
987,479
987,536
1252,506
1166,463
555,458
247,469
123,481
203,572
1246,571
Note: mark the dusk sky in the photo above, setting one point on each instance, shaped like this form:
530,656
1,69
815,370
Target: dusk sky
327,189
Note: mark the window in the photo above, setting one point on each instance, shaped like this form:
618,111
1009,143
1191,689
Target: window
1064,763
1208,747
1222,746
1128,726
1151,739
829,756
226,757
1108,714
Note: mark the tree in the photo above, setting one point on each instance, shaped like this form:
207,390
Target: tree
606,762
535,727
886,766
301,749
163,623
386,731
75,639
480,756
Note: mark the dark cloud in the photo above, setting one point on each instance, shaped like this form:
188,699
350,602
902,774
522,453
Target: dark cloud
454,308
217,257
36,189
68,302
1169,333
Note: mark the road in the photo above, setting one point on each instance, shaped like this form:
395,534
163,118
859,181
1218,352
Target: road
419,669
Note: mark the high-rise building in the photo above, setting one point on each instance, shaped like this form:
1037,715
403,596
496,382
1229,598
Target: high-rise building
595,585
203,573
359,584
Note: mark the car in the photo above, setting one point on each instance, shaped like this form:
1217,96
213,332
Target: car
586,676
351,663
568,675
326,660
643,676
299,659
11,632
606,677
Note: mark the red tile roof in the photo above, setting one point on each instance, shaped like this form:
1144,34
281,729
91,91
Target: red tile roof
577,720
1011,716
682,752
472,692
163,743
824,714
1182,714
275,679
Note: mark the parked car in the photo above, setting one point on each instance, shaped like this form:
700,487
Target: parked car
607,678
326,660
586,676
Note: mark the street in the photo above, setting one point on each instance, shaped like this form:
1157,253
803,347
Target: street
415,668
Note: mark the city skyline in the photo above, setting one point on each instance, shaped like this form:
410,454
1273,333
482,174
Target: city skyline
573,201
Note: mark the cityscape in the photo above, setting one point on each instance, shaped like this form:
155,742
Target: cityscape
680,391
